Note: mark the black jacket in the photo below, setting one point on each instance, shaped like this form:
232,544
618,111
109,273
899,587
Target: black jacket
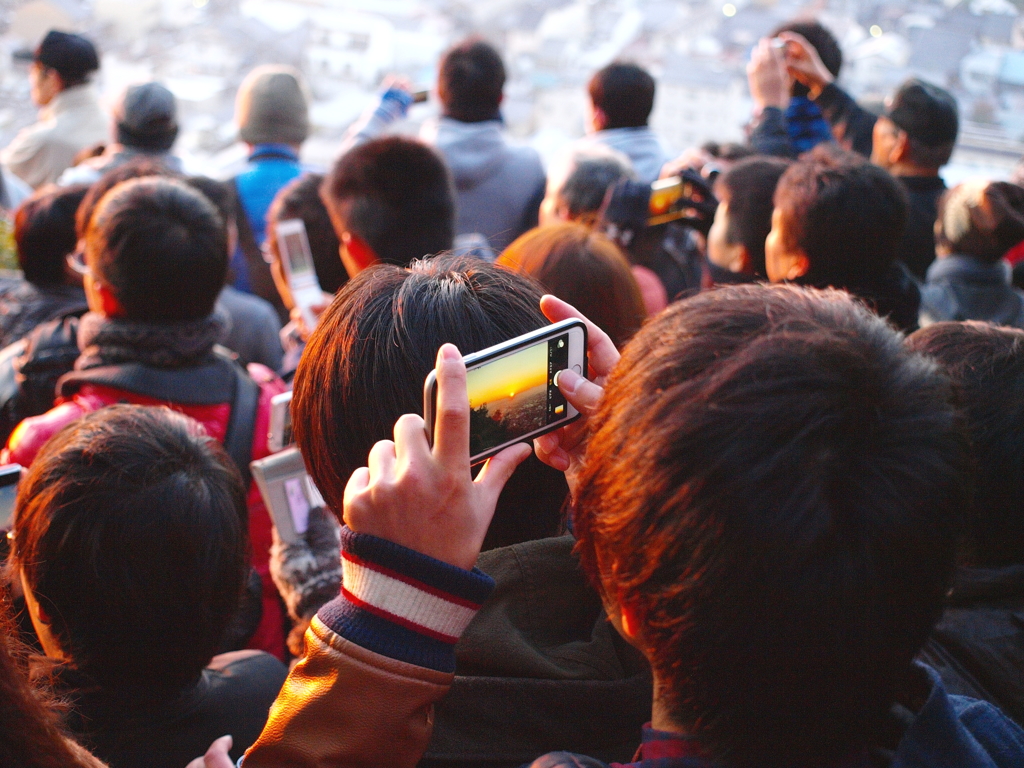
917,247
978,645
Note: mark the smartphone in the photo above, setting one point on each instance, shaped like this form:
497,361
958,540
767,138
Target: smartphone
299,271
418,97
280,434
512,392
10,474
288,491
670,200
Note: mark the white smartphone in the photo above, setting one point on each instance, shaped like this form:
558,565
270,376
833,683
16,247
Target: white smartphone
512,392
280,435
288,492
299,270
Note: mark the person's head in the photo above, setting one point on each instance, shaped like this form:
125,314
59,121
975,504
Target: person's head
300,199
136,168
130,536
470,80
837,222
272,106
986,365
621,96
769,506
220,194
391,200
155,252
586,269
743,218
823,41
981,218
578,184
62,60
366,362
146,118
917,132
44,231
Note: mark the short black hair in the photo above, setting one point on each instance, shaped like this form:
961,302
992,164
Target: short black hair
365,365
845,214
300,199
750,186
44,231
625,93
986,364
773,487
470,81
161,247
133,169
131,530
217,192
400,195
823,41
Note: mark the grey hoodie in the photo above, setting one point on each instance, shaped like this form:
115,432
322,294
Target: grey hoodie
498,186
642,146
966,288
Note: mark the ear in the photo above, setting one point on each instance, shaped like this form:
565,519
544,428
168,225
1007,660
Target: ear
739,259
356,254
901,149
109,304
630,622
797,264
598,118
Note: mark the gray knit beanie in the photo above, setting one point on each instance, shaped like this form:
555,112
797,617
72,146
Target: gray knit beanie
272,106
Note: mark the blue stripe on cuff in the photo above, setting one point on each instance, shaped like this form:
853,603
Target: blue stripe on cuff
474,586
379,635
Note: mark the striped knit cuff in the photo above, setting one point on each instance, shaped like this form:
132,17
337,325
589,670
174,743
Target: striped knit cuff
402,604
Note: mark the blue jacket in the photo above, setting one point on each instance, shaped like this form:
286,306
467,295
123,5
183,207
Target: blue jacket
271,167
947,732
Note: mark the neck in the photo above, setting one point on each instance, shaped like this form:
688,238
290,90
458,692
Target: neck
909,169
661,717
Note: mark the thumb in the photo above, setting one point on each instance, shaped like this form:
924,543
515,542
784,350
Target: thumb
499,469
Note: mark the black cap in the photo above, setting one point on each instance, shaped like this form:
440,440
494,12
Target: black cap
926,112
71,55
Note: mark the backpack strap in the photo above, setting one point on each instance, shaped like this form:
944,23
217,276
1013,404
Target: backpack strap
242,423
221,380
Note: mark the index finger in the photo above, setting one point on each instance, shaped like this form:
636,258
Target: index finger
601,349
794,37
451,423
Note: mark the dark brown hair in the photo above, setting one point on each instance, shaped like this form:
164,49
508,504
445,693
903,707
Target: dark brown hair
773,489
624,92
749,186
986,364
470,80
130,528
584,268
366,362
44,230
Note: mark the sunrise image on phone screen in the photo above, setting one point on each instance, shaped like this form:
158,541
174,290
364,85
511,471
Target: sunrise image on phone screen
515,395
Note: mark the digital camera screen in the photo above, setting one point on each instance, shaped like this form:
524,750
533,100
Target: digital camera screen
299,261
514,395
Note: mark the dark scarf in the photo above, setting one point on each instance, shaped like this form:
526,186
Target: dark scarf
111,341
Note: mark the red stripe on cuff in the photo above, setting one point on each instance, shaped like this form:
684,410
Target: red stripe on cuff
401,621
416,583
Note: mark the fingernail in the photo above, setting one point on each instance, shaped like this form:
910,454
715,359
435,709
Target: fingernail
547,443
567,381
448,353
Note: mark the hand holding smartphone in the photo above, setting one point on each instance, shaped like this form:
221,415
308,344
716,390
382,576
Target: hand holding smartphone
513,396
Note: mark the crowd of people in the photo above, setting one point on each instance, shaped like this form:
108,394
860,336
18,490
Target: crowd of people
787,529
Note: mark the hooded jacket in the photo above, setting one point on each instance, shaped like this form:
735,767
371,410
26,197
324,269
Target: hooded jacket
966,288
978,645
498,186
641,145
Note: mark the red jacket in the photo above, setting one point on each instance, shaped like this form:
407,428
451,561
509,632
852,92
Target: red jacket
30,435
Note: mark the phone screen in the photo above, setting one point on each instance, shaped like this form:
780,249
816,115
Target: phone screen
515,395
300,262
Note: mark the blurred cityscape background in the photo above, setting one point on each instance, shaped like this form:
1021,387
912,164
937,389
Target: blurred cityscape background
696,49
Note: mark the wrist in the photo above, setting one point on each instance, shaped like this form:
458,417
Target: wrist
403,604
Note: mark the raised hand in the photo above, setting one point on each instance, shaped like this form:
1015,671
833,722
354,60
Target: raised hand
804,63
563,449
426,498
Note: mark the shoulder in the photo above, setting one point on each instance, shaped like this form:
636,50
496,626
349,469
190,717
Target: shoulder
246,673
31,434
997,734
